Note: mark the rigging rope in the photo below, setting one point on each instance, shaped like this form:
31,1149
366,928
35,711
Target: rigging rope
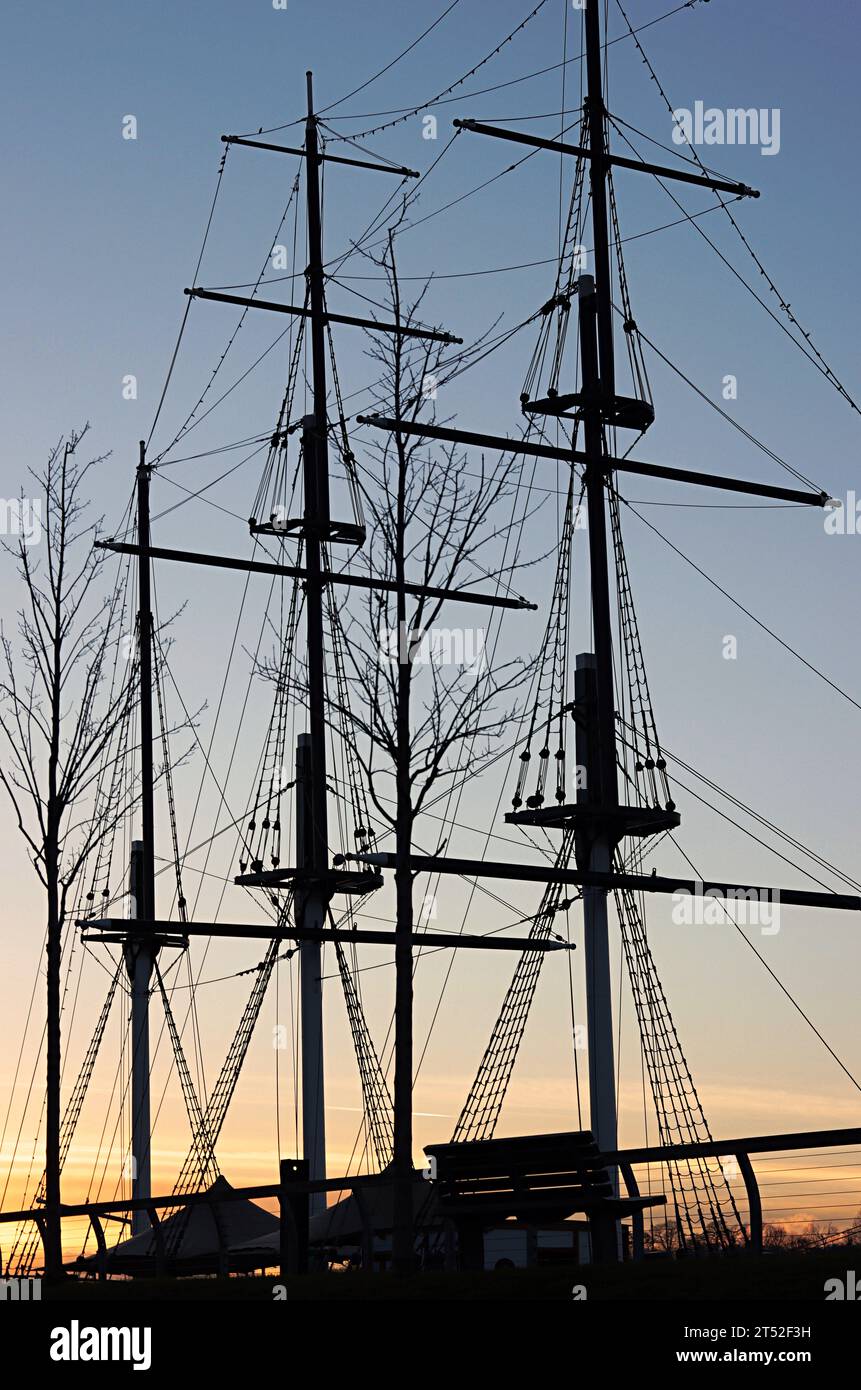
376,1099
30,1245
813,355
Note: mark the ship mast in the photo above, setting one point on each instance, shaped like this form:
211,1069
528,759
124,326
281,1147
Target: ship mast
597,819
594,700
312,811
312,879
140,948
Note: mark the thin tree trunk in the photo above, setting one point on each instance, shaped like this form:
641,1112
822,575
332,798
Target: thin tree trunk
53,1229
53,1225
403,1238
403,1248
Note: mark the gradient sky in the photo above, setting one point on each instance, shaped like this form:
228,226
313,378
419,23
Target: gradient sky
99,237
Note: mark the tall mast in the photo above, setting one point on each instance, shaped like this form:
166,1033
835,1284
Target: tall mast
317,303
314,879
312,822
594,699
597,118
599,821
596,750
147,905
604,771
138,951
315,452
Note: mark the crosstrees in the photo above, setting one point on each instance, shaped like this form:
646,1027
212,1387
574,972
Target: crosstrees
506,445
109,930
325,158
644,883
327,577
373,325
741,190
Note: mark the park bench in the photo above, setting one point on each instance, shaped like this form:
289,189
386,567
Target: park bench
533,1178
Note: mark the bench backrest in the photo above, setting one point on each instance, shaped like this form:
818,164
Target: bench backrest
528,1161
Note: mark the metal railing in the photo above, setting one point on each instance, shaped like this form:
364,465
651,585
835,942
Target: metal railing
294,1188
291,1192
740,1150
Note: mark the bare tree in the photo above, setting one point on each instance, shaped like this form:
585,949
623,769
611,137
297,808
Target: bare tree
427,704
777,1237
662,1238
65,690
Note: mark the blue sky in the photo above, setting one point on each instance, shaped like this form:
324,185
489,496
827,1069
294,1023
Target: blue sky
101,234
